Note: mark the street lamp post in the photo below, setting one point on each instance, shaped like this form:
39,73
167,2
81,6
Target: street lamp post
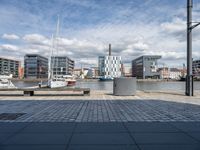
190,27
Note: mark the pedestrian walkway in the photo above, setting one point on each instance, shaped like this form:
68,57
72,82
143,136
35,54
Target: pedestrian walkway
98,111
143,122
100,136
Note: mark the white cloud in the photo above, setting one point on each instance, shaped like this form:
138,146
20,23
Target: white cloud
128,40
175,28
139,46
177,25
36,39
9,47
10,37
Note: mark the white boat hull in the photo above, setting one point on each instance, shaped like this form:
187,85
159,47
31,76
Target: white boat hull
57,84
5,81
7,86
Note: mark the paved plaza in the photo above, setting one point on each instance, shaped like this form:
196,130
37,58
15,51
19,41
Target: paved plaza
147,121
100,136
100,111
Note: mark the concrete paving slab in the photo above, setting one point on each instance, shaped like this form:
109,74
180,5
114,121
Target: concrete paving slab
169,147
46,127
163,138
100,127
8,127
38,139
152,127
195,135
34,147
101,138
5,136
187,126
98,138
103,147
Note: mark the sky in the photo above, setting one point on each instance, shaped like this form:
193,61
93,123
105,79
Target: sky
133,27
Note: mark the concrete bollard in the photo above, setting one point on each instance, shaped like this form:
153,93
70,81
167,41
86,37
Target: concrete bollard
124,86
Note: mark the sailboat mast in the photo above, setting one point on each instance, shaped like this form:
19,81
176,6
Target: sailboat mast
51,59
57,44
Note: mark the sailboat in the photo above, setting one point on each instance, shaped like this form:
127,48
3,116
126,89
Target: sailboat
70,80
55,81
5,81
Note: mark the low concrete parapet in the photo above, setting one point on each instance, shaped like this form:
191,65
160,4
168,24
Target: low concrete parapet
46,92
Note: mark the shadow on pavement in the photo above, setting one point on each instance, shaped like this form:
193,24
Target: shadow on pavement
100,136
108,125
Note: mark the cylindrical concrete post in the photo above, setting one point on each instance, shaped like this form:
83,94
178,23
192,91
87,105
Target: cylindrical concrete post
124,86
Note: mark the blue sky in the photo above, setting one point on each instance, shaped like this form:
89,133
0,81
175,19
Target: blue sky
133,27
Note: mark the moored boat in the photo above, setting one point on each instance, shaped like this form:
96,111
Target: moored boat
55,80
70,80
5,81
56,83
106,79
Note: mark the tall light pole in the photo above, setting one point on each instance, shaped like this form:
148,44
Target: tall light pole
190,27
189,89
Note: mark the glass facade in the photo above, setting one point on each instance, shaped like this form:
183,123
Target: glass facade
196,68
9,66
145,67
62,65
35,66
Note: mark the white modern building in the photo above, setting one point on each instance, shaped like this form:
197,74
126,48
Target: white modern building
110,66
175,74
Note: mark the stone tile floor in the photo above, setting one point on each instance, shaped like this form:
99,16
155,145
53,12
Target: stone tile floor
100,136
143,122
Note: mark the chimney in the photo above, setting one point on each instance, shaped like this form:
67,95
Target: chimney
109,49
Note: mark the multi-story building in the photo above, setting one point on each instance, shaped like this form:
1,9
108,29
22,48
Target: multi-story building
170,73
127,71
93,72
62,65
96,71
21,72
35,66
145,67
196,68
10,66
164,73
110,66
77,72
175,74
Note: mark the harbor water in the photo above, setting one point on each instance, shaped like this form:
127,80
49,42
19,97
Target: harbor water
143,85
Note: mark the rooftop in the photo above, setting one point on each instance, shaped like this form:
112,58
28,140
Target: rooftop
149,56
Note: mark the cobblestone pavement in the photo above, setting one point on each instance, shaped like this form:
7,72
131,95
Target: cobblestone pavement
147,121
100,110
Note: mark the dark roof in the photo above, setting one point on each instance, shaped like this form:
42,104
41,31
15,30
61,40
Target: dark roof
149,56
174,70
36,55
10,59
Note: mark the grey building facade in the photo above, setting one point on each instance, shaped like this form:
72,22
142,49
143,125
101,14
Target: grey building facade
196,67
145,67
35,66
62,65
9,66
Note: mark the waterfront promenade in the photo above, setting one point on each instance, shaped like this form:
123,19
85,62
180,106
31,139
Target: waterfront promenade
148,121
